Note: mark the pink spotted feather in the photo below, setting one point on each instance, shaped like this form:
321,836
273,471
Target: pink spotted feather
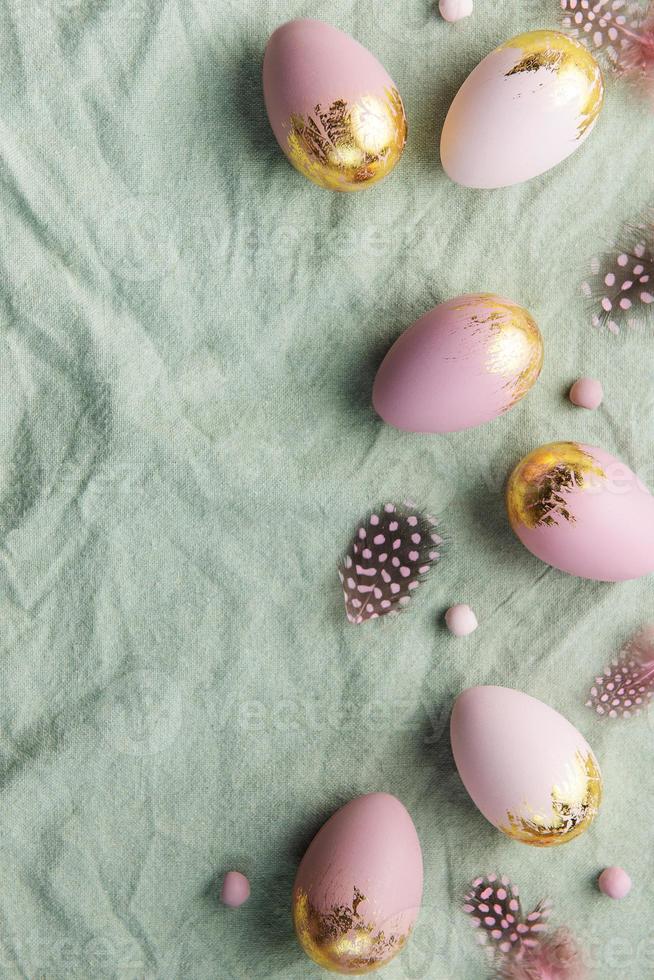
389,557
627,685
621,31
520,946
622,286
557,957
495,911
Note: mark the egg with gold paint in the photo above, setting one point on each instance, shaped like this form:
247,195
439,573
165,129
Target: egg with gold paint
526,107
335,111
528,770
460,365
358,889
583,511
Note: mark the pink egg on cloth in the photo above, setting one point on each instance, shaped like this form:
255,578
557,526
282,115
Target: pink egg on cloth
614,882
583,511
587,393
358,889
460,365
235,890
335,111
528,770
526,107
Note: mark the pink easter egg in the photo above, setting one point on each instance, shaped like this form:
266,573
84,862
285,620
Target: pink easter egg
334,109
358,889
528,770
526,107
460,365
580,509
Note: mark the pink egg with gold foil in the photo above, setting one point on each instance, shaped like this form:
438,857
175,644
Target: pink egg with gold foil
527,106
583,511
528,770
336,112
358,889
462,364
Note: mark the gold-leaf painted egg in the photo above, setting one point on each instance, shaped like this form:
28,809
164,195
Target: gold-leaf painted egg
526,107
358,889
335,111
526,767
462,364
584,511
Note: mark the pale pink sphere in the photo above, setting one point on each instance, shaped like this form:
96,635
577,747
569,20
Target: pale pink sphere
453,10
235,890
614,882
587,393
461,620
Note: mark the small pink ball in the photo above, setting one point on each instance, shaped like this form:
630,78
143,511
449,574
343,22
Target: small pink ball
453,10
587,393
235,890
614,882
461,620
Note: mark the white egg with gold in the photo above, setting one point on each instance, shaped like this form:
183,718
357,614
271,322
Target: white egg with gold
528,770
526,107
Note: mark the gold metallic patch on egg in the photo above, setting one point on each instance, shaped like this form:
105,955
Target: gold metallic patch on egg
349,146
578,73
340,939
516,349
535,491
575,803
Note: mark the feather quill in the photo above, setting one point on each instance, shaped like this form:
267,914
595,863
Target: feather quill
390,556
627,685
621,31
622,285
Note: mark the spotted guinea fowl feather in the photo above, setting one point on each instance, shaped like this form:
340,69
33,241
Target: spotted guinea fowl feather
627,685
620,31
557,957
388,559
622,284
495,911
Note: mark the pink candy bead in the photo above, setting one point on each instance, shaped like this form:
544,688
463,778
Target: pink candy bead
587,393
461,620
614,882
235,890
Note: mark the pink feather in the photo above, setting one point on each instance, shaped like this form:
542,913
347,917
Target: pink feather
520,946
622,286
388,559
493,905
623,32
627,684
557,957
637,61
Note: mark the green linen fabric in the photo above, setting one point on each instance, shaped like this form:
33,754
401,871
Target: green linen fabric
190,333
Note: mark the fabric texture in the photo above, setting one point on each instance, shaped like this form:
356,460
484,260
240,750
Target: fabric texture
190,334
